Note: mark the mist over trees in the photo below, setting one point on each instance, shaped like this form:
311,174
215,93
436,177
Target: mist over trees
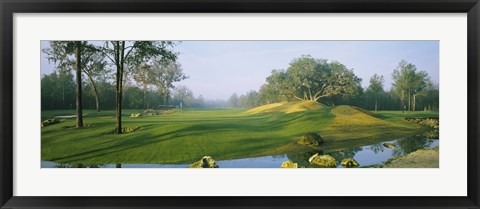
58,92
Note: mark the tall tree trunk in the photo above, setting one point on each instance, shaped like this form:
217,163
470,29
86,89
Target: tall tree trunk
375,104
63,96
310,94
409,98
119,59
166,98
78,51
118,101
145,96
414,103
97,100
403,101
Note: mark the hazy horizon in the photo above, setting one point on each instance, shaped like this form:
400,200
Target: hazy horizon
217,69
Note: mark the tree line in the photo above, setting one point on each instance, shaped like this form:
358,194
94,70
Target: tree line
58,92
332,83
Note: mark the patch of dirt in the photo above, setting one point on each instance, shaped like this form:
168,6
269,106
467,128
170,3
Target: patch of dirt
424,158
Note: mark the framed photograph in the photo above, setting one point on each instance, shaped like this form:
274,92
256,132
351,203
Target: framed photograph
306,104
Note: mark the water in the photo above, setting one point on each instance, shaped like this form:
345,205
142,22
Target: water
369,155
377,153
257,162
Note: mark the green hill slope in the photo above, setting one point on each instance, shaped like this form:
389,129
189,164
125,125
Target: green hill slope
354,125
287,107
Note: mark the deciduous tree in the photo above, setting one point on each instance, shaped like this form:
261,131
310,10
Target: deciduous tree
68,55
311,79
407,81
133,53
376,88
164,74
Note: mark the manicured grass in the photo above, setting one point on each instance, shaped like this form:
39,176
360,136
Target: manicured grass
287,107
187,136
397,116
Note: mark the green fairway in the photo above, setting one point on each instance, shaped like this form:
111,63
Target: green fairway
186,136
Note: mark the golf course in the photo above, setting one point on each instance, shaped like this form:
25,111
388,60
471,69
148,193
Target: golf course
239,104
184,136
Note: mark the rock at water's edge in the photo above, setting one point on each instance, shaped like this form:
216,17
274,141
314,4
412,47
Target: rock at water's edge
310,139
349,163
205,162
322,161
289,164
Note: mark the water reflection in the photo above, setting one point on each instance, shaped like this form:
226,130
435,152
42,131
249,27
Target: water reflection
376,148
66,165
410,144
376,154
301,158
347,153
369,155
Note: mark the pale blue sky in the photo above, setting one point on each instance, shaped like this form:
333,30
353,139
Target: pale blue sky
217,69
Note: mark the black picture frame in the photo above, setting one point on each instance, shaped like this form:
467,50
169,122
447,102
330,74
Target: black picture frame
10,7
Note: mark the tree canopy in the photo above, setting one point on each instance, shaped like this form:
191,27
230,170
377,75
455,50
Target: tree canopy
409,83
375,88
311,79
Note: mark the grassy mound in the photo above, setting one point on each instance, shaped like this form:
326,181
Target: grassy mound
347,110
353,123
347,115
364,111
287,107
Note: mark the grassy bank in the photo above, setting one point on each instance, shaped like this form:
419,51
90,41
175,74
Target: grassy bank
184,137
423,158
